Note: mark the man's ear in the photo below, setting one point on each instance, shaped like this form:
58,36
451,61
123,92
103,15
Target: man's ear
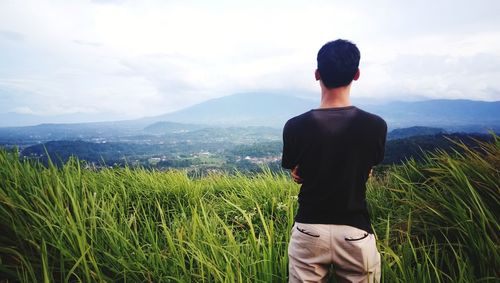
356,76
316,75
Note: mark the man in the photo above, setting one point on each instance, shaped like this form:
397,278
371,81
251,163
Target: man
331,151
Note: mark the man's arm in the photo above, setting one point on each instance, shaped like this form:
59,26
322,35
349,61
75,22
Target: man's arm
295,175
289,155
380,146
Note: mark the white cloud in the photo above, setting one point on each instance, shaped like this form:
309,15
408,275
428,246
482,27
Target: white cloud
434,67
139,58
23,110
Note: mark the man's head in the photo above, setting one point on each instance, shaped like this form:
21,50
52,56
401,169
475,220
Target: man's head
338,63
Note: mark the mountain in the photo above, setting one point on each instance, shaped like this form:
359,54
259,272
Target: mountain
440,113
402,133
273,110
268,109
247,109
399,150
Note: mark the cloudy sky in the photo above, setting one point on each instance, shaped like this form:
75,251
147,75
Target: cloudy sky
128,59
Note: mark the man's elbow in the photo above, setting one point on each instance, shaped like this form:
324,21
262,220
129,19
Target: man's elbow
288,164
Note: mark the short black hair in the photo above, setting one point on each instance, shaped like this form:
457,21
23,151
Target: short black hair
338,62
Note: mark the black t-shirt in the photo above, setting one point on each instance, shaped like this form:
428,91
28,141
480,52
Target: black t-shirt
334,148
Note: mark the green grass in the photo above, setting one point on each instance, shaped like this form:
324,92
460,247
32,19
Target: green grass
435,221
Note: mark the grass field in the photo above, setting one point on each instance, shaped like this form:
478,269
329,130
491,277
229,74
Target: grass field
435,221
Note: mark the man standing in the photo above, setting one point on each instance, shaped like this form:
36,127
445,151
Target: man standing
331,151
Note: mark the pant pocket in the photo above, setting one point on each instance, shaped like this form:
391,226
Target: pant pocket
356,235
307,231
304,235
357,250
304,242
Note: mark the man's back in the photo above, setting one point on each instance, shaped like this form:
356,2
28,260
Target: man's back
331,151
335,149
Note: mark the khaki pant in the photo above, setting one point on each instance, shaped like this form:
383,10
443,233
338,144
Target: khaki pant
314,247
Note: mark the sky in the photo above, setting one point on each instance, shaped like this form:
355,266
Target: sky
122,59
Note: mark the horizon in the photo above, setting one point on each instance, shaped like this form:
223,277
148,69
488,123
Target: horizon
115,60
308,102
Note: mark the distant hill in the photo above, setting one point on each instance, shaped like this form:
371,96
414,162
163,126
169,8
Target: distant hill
440,113
273,110
247,109
402,133
400,150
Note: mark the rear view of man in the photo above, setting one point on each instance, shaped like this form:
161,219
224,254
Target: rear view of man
331,151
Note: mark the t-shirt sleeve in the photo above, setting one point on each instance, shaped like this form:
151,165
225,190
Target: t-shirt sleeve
380,143
289,156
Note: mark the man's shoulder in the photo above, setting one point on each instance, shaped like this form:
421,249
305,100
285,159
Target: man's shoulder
297,120
373,118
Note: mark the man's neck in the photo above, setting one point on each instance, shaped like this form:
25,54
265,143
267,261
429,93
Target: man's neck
335,97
